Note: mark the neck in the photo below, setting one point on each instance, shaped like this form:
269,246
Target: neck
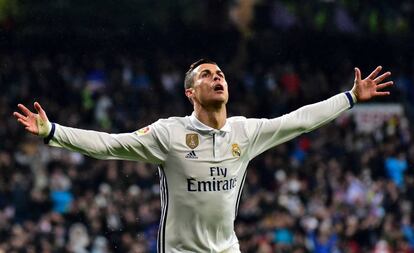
212,117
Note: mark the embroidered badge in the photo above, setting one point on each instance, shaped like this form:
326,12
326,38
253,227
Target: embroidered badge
192,140
235,150
142,131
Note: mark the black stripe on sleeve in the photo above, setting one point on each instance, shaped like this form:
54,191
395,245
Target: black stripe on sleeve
350,99
50,135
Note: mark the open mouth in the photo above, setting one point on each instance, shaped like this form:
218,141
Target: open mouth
218,87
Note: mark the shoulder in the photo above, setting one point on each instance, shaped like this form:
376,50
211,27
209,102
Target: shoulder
237,119
240,120
238,123
171,122
249,125
163,129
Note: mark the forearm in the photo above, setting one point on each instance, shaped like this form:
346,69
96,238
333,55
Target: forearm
95,144
312,116
271,132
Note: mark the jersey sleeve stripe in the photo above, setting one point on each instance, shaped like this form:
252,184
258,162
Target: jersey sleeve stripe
240,192
350,99
50,135
164,210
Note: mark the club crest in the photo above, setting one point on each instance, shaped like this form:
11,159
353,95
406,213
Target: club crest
235,150
192,140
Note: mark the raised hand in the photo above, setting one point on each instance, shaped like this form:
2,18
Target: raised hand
370,87
35,123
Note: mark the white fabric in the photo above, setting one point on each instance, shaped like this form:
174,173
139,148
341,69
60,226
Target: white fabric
200,185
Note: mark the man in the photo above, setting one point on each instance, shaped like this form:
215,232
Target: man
202,158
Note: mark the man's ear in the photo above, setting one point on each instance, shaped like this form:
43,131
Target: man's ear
189,93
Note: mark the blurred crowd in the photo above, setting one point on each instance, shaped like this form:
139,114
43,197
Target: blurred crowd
345,16
332,190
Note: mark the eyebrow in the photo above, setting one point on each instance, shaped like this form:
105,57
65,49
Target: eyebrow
217,72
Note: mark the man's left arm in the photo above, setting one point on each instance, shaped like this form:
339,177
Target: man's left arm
267,133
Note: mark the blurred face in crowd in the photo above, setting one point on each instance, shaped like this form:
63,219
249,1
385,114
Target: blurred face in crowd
209,86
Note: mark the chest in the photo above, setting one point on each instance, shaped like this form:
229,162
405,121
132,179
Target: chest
217,155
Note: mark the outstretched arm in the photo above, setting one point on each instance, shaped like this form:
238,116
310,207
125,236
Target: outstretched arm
267,133
150,146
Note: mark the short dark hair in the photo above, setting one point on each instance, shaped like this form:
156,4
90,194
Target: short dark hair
189,77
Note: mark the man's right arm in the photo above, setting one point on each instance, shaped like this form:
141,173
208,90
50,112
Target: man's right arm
138,145
149,144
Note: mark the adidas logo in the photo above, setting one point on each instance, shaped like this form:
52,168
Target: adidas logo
191,155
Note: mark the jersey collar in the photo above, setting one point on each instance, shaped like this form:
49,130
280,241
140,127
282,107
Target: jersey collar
202,127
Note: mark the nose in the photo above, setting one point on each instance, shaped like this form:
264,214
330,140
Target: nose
216,77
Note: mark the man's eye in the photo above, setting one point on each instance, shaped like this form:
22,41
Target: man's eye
205,75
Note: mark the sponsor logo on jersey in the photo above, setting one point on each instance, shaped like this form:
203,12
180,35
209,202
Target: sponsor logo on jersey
192,140
191,155
219,180
213,185
235,150
142,131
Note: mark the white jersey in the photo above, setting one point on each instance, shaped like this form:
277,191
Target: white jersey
202,170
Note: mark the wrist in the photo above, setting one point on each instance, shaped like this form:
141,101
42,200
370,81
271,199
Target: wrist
44,127
49,137
351,98
353,95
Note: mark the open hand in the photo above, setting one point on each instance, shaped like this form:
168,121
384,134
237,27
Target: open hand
35,123
370,87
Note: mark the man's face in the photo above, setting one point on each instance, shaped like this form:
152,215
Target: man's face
210,86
